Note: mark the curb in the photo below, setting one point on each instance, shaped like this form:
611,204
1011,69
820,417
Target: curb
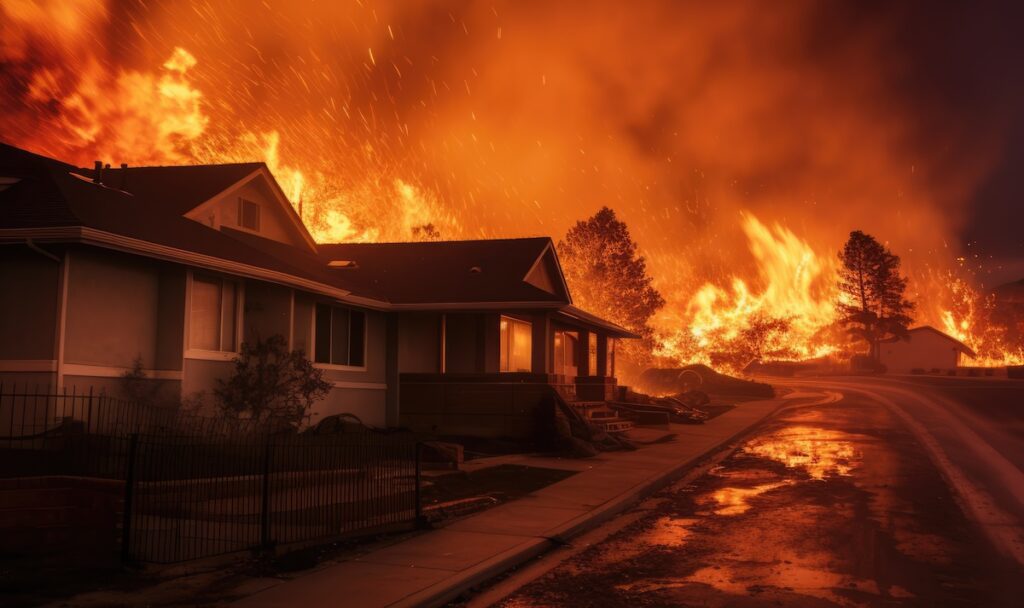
449,589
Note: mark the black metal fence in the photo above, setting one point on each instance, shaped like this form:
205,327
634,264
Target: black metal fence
199,487
44,432
190,498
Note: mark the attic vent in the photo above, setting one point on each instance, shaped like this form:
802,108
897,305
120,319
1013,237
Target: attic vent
342,264
475,270
248,214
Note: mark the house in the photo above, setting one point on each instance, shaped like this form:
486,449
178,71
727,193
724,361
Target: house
924,348
176,266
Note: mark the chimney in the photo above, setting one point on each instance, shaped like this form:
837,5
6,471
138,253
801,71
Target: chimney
124,176
97,173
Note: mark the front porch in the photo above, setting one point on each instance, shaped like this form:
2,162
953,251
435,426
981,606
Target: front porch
485,374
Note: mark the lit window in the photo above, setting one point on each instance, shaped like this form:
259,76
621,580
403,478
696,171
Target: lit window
592,353
340,337
611,357
213,321
516,345
248,214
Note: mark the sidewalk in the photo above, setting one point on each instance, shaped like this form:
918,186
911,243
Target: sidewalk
432,568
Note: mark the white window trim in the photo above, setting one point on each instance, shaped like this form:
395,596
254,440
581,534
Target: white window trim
334,366
215,355
259,216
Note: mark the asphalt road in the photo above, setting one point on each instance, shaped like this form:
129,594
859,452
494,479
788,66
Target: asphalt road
974,431
903,493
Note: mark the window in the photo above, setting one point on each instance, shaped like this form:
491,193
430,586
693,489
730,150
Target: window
611,357
340,336
592,353
516,345
213,322
248,214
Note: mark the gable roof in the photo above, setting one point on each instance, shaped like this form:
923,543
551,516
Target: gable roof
929,329
446,272
47,200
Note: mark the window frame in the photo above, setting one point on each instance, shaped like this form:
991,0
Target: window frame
312,337
506,354
215,355
242,202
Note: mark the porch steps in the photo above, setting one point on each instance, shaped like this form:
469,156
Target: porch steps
602,416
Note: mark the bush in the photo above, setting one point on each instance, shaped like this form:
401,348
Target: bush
271,384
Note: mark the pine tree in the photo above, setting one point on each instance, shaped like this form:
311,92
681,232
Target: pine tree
606,276
872,302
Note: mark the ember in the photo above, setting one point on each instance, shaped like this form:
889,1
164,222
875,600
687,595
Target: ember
379,127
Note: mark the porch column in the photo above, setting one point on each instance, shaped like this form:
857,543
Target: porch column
492,343
602,355
583,365
391,371
541,342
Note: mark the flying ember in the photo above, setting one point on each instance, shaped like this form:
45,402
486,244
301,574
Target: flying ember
380,128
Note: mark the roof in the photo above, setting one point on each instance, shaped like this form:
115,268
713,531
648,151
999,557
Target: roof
445,272
142,210
967,350
175,189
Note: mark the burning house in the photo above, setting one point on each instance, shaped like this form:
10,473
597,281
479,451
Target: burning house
176,266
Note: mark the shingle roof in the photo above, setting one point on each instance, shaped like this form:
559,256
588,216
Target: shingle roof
440,272
52,194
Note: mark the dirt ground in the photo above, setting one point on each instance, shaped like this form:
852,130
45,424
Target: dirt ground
829,506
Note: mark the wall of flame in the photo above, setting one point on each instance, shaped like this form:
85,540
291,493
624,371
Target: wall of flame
739,142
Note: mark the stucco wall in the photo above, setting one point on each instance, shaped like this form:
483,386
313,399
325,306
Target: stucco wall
419,342
464,335
29,303
925,350
367,404
267,310
112,309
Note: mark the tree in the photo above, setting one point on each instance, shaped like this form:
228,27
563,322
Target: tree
601,265
271,384
872,302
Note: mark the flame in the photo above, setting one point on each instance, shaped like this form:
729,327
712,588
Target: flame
794,285
376,130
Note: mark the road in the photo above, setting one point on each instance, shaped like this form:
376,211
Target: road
904,492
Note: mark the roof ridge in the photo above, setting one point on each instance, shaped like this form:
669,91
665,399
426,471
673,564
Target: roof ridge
444,241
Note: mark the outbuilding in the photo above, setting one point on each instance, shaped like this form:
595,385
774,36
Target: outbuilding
924,348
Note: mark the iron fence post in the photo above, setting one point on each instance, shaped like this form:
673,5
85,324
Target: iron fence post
129,499
265,499
419,498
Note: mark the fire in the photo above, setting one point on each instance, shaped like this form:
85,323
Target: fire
379,127
785,312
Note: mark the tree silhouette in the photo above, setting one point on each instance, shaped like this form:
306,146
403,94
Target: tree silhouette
872,304
601,265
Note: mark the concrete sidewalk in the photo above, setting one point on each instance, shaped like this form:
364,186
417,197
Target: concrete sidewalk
434,567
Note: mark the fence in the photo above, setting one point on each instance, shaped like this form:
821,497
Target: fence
84,433
197,487
188,499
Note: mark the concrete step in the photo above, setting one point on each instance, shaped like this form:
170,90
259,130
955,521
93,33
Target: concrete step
617,425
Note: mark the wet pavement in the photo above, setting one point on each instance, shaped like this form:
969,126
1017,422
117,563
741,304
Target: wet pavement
836,505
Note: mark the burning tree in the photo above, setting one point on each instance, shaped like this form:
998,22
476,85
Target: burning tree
872,304
600,262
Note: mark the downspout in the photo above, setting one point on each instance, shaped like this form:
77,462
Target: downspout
32,245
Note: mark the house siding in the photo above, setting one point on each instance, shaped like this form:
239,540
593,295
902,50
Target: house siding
29,304
419,342
112,310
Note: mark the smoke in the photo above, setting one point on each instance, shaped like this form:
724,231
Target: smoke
518,118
